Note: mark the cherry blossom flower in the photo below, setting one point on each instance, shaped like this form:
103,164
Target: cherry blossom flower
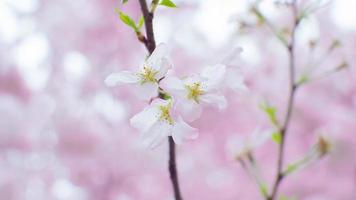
197,90
158,121
234,79
245,146
146,80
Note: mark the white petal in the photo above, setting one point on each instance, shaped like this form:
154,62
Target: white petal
156,134
144,120
190,110
236,146
164,65
195,78
173,85
214,75
182,131
120,78
258,137
160,102
155,59
147,90
214,99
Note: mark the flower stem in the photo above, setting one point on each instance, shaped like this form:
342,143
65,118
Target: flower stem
293,88
150,44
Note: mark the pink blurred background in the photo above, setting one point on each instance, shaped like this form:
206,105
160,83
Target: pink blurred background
65,136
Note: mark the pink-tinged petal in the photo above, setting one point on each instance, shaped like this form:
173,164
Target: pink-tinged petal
173,85
144,120
214,75
214,99
147,90
156,134
155,59
189,110
182,131
165,65
121,78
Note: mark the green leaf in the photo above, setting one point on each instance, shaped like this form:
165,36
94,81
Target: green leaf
124,1
264,190
303,79
164,95
283,198
167,3
271,113
292,168
277,137
128,21
140,23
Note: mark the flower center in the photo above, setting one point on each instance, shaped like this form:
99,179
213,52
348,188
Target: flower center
194,91
165,116
148,75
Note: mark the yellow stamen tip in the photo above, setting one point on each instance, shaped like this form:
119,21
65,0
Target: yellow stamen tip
194,91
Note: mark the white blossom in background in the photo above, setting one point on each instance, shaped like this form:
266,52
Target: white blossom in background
248,144
196,91
158,121
146,80
234,79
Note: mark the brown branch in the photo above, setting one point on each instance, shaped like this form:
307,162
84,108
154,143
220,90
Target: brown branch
150,44
173,169
293,88
148,18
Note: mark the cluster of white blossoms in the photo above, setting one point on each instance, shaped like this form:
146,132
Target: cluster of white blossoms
173,101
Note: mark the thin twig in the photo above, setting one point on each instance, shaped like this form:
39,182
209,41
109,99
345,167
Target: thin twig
150,44
269,24
293,88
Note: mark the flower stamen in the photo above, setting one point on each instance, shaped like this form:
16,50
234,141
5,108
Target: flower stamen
147,75
194,91
165,115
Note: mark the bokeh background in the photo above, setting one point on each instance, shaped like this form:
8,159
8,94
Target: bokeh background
65,136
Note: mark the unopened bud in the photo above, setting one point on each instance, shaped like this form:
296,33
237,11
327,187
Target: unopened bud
140,37
323,146
342,66
286,31
242,154
334,45
312,44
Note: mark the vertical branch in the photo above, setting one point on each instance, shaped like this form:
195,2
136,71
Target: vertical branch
151,45
293,88
148,18
173,169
